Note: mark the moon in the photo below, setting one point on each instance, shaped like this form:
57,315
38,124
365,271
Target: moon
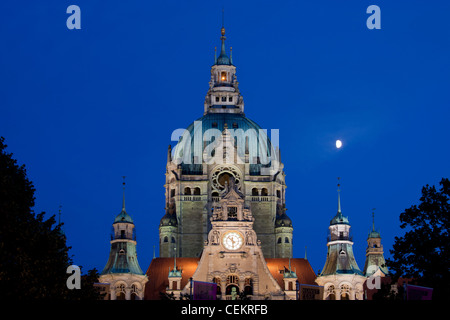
338,144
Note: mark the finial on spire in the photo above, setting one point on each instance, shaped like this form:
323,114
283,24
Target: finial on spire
373,219
305,254
169,154
123,196
231,55
59,214
174,258
222,32
223,18
339,195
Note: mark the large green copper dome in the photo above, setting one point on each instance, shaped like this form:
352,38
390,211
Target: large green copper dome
247,135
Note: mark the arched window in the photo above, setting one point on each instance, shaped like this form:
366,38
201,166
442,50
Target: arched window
232,284
278,193
120,292
197,191
279,240
223,76
187,191
264,192
134,292
331,295
173,240
248,286
345,292
216,280
286,240
255,192
166,239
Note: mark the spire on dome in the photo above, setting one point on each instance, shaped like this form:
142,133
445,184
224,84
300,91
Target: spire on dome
373,233
339,196
123,216
223,58
339,218
123,196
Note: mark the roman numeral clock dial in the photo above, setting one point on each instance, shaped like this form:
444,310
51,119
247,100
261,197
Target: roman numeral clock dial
232,240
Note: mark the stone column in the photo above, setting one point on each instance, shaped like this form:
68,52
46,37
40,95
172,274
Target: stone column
112,291
223,287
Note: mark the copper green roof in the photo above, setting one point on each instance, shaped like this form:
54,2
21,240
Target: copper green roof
241,126
122,259
339,219
123,217
340,260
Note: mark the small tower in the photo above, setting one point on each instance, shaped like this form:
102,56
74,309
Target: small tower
174,279
122,271
375,263
168,232
223,95
283,233
290,283
341,277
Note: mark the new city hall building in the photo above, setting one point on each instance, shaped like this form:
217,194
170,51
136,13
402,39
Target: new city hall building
225,225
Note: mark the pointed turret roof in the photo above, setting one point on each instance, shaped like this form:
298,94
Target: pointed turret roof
123,216
373,233
339,218
223,58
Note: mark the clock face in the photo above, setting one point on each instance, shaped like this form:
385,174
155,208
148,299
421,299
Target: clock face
232,240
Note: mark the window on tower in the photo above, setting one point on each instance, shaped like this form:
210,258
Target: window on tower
232,212
223,76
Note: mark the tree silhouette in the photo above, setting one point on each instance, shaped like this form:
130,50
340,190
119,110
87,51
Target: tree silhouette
33,251
423,252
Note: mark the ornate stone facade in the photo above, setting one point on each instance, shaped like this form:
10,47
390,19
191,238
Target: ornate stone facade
122,274
221,145
232,255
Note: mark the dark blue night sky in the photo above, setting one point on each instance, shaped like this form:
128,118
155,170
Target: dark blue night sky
82,108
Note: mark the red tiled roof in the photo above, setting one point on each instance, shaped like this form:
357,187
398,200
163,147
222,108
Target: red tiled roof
305,273
158,272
